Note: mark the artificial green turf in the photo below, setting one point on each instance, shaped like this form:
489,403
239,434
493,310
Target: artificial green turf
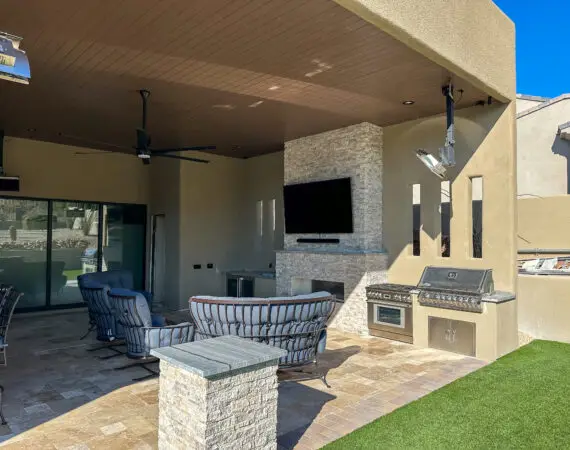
520,401
72,274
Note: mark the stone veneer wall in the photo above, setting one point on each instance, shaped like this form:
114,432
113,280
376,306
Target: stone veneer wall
355,270
358,260
354,152
237,411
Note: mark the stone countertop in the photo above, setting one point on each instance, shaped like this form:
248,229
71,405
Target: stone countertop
267,274
214,358
499,297
332,251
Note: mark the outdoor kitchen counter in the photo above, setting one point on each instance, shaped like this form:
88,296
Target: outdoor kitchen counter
266,274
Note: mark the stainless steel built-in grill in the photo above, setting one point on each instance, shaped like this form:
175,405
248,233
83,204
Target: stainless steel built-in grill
390,311
453,288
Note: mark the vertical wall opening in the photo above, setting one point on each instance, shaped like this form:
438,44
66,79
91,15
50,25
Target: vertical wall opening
259,218
445,214
273,213
416,219
477,216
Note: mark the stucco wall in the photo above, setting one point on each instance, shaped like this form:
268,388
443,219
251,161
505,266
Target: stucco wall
165,199
213,220
485,147
544,306
263,182
48,170
473,39
543,223
543,157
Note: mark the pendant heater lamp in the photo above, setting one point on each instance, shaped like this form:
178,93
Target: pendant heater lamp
431,162
14,64
447,152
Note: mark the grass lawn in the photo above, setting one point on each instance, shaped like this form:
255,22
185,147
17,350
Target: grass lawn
520,401
72,274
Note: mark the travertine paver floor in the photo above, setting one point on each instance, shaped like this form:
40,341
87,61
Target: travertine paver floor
59,396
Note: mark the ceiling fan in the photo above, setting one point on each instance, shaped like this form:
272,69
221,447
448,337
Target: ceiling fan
143,149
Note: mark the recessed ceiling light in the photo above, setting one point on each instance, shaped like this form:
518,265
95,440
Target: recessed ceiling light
408,102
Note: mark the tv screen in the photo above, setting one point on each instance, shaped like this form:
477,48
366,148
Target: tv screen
319,207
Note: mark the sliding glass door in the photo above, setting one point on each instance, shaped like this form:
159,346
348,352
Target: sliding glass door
23,248
46,244
74,237
123,231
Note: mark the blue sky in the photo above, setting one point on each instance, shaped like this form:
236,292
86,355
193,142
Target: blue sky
543,67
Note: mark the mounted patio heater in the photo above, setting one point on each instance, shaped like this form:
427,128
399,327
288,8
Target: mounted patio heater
14,65
447,152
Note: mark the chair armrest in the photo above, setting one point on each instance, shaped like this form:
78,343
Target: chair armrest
156,337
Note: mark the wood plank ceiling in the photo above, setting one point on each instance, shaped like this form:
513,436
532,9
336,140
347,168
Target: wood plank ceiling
245,75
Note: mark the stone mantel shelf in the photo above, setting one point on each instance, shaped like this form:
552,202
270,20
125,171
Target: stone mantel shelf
317,251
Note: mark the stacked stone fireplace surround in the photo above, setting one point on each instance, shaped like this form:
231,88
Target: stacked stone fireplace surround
358,260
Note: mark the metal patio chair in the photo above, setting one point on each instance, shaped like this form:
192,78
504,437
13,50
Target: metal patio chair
9,297
145,331
109,331
110,279
297,324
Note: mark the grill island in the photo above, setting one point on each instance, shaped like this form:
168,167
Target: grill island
452,309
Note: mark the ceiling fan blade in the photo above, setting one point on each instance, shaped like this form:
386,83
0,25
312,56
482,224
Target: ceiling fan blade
182,157
93,141
158,151
98,152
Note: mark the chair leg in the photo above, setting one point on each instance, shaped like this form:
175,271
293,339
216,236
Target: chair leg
309,375
110,346
142,365
114,355
3,420
91,328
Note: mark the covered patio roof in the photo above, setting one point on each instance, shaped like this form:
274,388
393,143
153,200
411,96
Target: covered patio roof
245,75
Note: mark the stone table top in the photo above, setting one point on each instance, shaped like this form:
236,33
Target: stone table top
218,356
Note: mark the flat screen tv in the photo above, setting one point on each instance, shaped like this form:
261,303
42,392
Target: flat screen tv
319,207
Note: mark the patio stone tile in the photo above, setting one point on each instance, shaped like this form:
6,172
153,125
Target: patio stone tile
67,398
71,394
113,428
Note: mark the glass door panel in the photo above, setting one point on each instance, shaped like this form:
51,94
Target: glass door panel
23,249
74,248
123,242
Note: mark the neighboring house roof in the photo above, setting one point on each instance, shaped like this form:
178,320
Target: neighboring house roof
542,105
534,98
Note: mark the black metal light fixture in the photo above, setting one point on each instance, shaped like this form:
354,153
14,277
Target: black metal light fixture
14,65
